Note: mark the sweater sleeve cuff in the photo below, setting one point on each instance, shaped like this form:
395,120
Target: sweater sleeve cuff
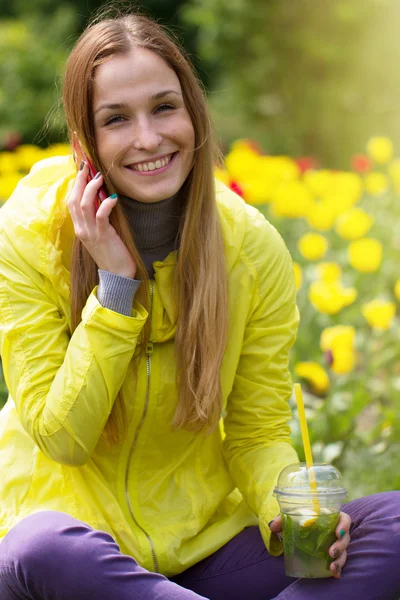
116,292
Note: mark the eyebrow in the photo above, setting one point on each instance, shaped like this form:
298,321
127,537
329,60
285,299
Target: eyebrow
119,105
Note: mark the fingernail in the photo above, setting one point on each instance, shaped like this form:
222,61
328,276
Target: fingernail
114,196
81,165
336,553
341,533
337,568
269,524
279,536
97,175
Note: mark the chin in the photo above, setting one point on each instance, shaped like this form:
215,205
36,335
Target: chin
156,196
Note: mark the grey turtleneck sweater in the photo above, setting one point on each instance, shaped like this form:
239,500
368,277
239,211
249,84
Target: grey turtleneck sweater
155,228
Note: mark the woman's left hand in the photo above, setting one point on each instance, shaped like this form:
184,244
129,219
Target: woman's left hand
338,550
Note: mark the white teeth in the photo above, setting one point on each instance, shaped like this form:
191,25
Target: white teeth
152,166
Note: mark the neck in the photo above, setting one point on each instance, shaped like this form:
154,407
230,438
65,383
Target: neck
153,224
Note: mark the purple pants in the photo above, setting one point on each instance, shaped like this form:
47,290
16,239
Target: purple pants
51,556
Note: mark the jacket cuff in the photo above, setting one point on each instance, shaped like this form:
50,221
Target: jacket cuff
94,312
270,510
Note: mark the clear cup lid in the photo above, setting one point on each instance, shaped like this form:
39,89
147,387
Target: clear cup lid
294,480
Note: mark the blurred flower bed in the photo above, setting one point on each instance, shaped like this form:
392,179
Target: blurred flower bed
17,163
343,231
341,228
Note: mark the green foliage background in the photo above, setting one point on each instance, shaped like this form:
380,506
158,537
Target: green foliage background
34,45
303,77
300,77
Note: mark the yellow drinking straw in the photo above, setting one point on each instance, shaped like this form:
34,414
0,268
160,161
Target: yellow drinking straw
306,443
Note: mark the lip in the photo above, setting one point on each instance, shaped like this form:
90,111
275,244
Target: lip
156,171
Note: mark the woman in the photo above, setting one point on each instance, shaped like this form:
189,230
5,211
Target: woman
126,332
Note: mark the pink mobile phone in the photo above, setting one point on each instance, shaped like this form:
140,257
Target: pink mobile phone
80,155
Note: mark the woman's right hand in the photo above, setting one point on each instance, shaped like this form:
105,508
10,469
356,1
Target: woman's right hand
93,228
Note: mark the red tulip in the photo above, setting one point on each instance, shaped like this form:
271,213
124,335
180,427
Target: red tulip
235,187
305,163
361,163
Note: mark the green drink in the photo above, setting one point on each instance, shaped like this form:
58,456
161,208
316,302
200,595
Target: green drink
306,542
309,518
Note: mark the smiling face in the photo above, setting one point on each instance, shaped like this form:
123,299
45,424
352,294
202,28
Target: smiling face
144,135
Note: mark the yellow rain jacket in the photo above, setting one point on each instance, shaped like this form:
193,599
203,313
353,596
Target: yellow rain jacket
169,498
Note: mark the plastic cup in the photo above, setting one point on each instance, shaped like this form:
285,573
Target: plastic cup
309,517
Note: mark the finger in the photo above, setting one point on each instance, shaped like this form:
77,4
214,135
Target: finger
78,190
89,201
337,565
343,526
276,524
104,211
339,546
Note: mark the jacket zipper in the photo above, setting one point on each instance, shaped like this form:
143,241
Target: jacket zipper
149,351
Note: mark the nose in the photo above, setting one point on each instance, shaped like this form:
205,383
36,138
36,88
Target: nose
145,135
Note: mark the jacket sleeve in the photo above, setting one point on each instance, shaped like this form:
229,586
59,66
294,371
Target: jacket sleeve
257,445
63,386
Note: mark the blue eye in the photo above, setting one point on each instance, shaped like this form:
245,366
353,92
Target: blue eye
164,107
116,119
120,118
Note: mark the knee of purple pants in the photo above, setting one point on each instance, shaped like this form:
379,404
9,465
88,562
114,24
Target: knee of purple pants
38,541
382,508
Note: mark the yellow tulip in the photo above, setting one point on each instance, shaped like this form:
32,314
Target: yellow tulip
242,162
353,224
314,374
322,216
347,184
344,362
379,313
365,255
313,246
259,176
340,203
376,184
260,185
339,342
397,289
57,150
318,182
8,162
348,296
255,189
298,275
380,149
284,168
27,155
242,144
329,272
292,200
330,298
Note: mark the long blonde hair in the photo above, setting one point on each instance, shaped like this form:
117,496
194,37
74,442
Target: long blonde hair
200,277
